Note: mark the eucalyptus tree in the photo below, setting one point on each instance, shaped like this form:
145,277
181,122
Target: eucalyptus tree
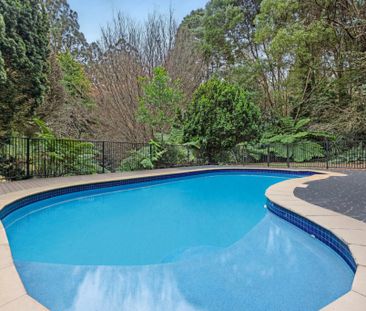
65,34
299,59
321,46
186,60
67,109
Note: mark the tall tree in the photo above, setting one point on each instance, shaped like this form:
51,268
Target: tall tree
24,32
297,58
159,32
321,50
226,32
159,101
68,109
186,60
65,34
126,52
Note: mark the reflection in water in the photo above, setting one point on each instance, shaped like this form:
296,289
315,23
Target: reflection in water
274,267
103,289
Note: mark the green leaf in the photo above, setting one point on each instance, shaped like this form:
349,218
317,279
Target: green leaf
147,164
301,123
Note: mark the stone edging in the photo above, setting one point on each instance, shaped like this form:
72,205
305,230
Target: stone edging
13,295
351,231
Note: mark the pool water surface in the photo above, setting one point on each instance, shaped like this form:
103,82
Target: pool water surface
203,242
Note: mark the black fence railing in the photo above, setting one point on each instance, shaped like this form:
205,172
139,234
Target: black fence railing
34,157
314,154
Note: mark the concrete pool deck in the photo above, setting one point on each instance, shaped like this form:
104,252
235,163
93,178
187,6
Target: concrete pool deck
288,194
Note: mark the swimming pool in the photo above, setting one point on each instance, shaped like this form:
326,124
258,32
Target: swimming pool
199,242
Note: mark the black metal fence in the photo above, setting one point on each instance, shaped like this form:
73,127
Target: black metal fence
34,157
343,154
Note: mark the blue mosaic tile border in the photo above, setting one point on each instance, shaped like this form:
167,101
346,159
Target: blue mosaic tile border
319,232
61,191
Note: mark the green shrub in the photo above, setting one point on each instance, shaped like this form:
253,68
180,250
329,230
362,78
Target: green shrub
158,155
355,154
300,151
66,157
52,156
296,139
137,160
11,159
219,117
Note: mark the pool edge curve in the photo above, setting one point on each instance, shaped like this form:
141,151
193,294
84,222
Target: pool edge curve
348,230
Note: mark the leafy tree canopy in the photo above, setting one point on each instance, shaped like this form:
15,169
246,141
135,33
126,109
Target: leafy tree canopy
219,117
65,34
74,79
300,58
24,31
159,101
289,131
2,61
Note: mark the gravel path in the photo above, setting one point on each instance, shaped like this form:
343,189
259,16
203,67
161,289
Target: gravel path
346,195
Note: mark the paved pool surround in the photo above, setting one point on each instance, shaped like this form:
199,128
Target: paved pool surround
350,232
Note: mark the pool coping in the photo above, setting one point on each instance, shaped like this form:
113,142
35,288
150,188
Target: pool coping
352,232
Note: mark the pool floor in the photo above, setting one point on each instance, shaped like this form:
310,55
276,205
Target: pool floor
274,267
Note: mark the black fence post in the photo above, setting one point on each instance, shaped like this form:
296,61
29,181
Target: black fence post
327,153
151,152
288,154
28,158
268,156
103,157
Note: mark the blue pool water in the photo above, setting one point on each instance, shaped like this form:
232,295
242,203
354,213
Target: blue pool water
195,243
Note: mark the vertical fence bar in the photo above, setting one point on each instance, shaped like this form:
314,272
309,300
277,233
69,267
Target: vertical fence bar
188,155
27,160
151,152
268,156
288,155
327,155
103,157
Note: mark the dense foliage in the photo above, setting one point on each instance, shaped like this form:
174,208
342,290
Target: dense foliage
69,102
159,102
300,58
63,157
75,81
65,34
158,155
220,116
24,51
280,72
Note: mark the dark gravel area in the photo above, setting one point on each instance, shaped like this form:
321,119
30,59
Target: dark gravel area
346,195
